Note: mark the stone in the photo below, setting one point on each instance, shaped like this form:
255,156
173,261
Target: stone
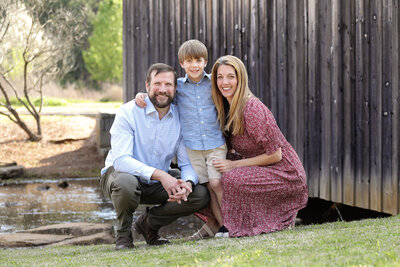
74,229
11,171
60,234
96,239
29,240
104,122
63,184
7,164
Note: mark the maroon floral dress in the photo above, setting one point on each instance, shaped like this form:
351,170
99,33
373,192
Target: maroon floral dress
262,199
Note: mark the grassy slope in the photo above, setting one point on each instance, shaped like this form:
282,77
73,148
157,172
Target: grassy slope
374,242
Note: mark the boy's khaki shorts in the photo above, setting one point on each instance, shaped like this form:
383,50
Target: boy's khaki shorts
202,162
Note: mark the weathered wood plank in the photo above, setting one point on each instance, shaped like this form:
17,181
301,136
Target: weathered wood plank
389,184
301,74
273,51
336,105
281,64
245,31
263,66
348,107
290,125
215,31
365,172
359,186
230,28
253,41
202,17
237,36
324,88
189,20
375,105
313,155
223,24
154,31
196,22
396,104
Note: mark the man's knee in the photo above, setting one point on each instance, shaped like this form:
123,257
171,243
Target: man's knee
199,197
125,187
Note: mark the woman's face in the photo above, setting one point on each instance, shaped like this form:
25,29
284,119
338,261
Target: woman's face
227,81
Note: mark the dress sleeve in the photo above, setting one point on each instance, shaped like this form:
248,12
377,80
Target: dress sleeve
261,126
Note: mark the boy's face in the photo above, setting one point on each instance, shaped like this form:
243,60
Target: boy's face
194,68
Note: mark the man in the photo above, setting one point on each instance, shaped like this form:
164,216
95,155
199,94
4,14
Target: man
143,144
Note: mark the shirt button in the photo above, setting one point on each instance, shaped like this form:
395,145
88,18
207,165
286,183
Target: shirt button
198,97
204,135
200,109
202,122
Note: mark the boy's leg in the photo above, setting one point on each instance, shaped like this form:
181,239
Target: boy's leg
215,206
215,179
216,186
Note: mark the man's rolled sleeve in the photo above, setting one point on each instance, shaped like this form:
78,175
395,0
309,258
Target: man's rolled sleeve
134,167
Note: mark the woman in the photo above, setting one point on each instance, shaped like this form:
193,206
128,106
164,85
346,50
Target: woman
263,179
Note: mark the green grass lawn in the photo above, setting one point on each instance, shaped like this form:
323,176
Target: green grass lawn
372,242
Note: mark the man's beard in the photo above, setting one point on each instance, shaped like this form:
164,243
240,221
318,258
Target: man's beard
156,103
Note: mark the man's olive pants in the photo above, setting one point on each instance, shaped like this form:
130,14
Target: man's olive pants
127,192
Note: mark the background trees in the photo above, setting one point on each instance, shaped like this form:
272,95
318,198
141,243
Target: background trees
103,59
35,42
68,41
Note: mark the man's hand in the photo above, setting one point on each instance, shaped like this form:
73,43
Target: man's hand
183,194
172,185
139,99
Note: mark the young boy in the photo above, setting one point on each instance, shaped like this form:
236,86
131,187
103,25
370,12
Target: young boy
203,139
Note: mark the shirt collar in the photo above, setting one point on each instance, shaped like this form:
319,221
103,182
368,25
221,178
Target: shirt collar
186,78
150,107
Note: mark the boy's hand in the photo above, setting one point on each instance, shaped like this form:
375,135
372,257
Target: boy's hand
139,99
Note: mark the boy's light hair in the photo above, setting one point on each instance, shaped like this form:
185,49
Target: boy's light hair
192,49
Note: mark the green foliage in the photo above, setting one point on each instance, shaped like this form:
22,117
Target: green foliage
104,57
373,242
49,102
85,11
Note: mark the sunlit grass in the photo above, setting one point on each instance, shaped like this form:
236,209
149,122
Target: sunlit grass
373,242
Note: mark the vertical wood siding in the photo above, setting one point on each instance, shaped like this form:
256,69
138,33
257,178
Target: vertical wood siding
328,70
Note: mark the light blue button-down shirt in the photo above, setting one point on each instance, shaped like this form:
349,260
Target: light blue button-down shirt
141,142
200,127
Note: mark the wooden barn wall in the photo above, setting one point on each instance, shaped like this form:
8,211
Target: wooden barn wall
328,70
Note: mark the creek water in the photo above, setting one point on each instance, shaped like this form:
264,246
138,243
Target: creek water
34,203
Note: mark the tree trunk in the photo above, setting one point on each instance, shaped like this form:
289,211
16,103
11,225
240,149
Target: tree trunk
32,136
21,123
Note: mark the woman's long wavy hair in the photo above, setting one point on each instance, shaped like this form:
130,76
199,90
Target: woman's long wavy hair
231,116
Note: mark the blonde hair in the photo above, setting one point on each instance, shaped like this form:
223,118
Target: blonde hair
192,49
233,121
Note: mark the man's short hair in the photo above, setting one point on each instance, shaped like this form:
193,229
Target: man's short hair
192,49
159,68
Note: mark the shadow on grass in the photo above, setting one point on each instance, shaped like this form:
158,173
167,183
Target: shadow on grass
82,162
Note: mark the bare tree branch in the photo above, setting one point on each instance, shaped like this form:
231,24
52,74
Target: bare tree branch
40,45
7,115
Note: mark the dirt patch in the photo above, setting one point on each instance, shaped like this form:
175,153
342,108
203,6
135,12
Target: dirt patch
52,157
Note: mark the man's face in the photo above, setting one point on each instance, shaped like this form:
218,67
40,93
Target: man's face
161,89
